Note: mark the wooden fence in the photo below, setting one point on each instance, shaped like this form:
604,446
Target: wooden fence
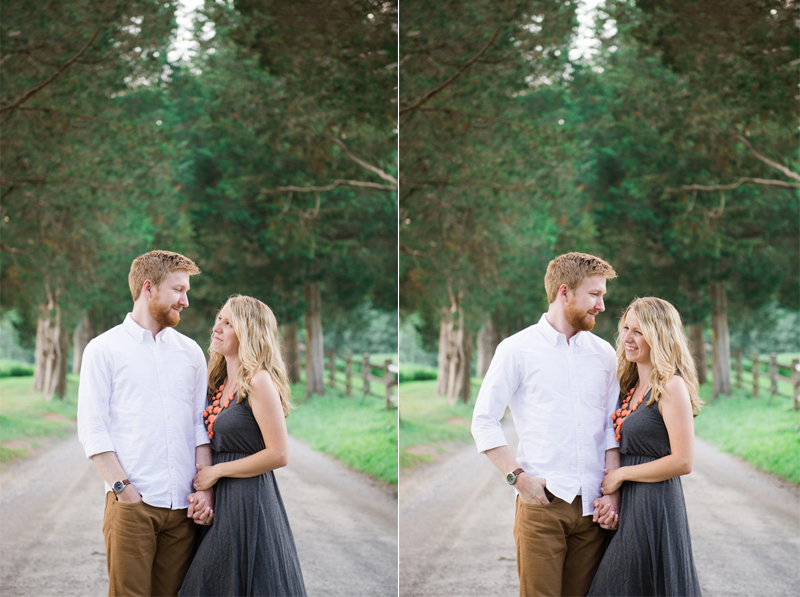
780,379
345,374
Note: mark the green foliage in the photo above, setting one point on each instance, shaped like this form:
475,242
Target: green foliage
9,368
412,372
357,431
763,431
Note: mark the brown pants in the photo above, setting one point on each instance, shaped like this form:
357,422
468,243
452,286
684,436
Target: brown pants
148,549
558,549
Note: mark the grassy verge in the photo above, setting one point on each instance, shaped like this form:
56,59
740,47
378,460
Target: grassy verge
426,420
357,430
26,417
765,431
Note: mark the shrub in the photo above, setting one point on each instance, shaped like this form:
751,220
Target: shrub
412,372
9,368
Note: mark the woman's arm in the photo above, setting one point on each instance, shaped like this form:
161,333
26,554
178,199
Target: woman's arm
676,409
268,411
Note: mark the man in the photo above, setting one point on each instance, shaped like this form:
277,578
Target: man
140,402
560,382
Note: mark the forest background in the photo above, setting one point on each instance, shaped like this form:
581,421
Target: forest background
257,137
661,136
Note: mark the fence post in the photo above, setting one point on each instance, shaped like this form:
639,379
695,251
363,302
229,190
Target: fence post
739,369
796,384
388,378
348,372
366,371
773,373
332,367
756,369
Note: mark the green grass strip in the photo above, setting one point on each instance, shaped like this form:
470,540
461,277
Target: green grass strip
357,430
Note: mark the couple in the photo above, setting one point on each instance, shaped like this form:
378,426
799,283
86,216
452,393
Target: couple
148,408
583,465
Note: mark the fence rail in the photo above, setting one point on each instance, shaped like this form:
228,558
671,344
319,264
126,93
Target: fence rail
779,379
343,371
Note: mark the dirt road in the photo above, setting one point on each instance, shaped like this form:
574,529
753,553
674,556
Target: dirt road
51,543
457,515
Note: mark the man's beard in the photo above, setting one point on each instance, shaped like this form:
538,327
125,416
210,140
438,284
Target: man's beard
163,314
578,319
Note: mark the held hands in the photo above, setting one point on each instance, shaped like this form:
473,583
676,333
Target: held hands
201,507
606,511
531,489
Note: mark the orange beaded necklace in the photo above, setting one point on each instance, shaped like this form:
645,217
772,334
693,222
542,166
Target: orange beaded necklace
212,411
622,412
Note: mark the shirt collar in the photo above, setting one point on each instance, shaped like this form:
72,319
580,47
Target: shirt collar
552,334
140,334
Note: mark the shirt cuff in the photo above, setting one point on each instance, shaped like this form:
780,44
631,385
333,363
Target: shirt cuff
98,445
200,436
611,442
489,440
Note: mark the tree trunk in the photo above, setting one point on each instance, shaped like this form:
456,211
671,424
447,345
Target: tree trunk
445,328
720,340
466,370
456,351
291,351
698,350
52,343
488,339
315,357
80,338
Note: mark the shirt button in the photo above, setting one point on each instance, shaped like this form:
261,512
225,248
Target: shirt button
579,423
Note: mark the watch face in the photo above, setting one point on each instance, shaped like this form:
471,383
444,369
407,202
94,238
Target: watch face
511,477
118,487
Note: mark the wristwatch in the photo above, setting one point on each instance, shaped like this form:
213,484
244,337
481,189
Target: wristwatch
119,486
512,476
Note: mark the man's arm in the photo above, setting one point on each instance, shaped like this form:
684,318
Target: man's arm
606,508
531,489
107,464
201,503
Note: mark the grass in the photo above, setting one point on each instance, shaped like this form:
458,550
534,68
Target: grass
427,420
356,430
26,416
765,431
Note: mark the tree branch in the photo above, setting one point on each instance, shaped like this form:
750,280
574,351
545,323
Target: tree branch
31,92
330,187
363,164
425,98
766,160
735,185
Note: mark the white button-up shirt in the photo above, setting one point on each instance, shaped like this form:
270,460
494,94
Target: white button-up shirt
143,399
561,397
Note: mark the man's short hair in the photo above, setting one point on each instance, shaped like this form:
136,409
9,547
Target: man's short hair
572,269
155,266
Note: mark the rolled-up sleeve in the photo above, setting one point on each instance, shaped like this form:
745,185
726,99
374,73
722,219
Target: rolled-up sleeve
200,402
499,385
94,398
612,402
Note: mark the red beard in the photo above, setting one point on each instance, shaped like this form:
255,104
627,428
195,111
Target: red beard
163,314
578,319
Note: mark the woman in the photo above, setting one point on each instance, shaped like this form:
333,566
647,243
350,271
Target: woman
651,553
249,549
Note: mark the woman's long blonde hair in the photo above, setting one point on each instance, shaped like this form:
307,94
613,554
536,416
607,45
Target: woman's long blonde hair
662,329
259,348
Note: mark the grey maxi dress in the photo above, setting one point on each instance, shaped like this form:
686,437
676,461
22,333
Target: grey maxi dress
651,552
249,549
